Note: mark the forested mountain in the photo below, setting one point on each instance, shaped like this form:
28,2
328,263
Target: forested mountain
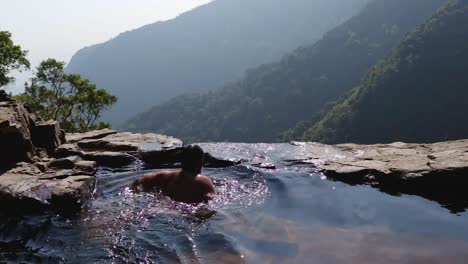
418,94
274,97
203,48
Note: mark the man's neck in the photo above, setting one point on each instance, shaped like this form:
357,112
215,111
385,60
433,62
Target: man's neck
185,174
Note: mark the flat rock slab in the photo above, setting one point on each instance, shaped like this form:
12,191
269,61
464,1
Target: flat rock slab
28,193
128,142
95,134
437,171
62,185
111,149
401,160
109,158
103,158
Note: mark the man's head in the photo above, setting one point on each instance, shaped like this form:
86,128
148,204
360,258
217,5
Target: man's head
192,159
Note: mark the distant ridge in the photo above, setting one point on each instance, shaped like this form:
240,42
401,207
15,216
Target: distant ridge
275,97
203,48
418,94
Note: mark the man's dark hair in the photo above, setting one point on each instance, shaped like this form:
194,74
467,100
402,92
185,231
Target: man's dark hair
191,155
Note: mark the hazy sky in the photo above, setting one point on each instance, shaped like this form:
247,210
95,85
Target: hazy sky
58,28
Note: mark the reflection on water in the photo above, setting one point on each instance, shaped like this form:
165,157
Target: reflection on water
259,216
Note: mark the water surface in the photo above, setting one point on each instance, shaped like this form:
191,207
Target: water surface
287,215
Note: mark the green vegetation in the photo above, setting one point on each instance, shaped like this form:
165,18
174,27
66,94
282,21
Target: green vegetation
418,94
52,94
275,97
203,49
12,57
74,102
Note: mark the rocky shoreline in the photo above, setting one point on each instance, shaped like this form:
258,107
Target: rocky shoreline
437,171
42,168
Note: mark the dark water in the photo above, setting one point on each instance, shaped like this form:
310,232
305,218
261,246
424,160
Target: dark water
287,215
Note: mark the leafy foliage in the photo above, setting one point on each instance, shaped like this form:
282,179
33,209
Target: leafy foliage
74,102
418,94
275,97
12,57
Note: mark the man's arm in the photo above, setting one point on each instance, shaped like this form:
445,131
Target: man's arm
208,187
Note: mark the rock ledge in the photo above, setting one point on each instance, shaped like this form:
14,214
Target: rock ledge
436,171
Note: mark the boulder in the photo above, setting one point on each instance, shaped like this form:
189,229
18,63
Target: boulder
161,158
55,168
48,135
4,96
61,185
15,137
214,162
22,193
164,158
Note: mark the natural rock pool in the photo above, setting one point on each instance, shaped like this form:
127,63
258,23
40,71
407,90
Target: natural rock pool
290,214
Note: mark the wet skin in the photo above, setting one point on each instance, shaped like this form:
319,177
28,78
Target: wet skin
181,186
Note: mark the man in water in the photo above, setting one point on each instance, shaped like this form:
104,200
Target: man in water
186,185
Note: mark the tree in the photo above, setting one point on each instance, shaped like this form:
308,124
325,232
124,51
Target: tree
12,57
68,98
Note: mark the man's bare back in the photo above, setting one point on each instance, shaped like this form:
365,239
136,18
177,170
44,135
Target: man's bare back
186,185
179,186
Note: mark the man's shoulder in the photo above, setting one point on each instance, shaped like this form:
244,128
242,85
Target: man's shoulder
203,178
205,182
162,174
159,177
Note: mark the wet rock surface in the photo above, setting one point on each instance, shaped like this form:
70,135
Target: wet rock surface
61,185
111,149
15,134
65,180
41,168
436,171
128,142
407,161
23,135
48,135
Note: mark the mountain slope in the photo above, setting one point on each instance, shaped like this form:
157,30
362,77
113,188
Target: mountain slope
274,97
203,48
418,94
